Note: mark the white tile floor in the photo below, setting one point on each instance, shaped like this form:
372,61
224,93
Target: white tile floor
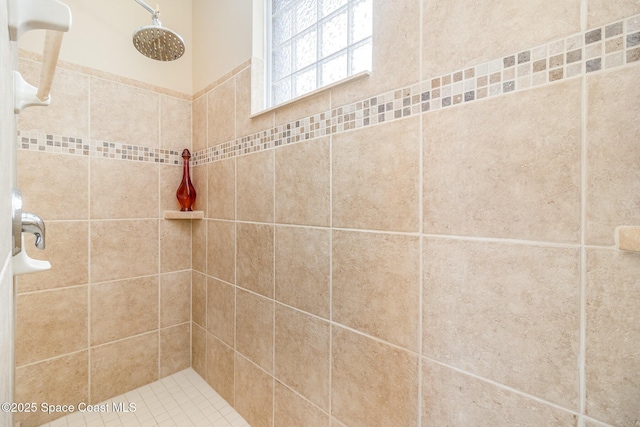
183,399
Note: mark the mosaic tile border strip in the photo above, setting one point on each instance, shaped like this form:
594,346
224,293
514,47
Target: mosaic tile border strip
39,141
602,48
594,50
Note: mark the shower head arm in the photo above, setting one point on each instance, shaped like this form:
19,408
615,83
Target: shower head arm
155,13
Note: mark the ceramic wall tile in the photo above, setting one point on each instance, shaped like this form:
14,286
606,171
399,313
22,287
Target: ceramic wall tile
220,368
303,173
136,120
68,252
302,348
613,179
372,384
123,309
50,324
376,285
255,258
303,268
113,374
517,312
175,298
522,182
613,323
254,393
175,349
375,177
254,328
123,249
56,381
447,45
452,398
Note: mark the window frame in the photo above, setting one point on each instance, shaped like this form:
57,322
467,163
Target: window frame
319,61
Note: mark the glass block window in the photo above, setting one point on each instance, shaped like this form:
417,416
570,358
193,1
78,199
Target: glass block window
313,43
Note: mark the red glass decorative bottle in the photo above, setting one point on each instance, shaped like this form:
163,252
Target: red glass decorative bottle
186,194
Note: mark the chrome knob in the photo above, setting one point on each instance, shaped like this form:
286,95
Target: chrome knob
32,223
16,221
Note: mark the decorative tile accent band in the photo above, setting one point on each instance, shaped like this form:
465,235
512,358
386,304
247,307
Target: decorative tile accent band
39,141
602,48
597,49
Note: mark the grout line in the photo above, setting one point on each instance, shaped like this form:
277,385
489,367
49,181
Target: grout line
217,338
235,275
330,275
60,356
133,336
273,305
191,320
235,104
228,76
175,325
52,289
97,220
421,239
191,230
292,390
502,386
331,322
503,240
595,422
101,283
191,245
279,224
159,243
283,225
89,263
89,343
204,327
583,250
67,221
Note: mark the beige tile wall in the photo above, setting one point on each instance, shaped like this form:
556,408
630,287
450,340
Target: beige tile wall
442,269
612,364
429,271
56,381
612,141
511,26
114,312
522,182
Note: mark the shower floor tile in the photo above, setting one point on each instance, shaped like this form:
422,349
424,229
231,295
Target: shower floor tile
182,399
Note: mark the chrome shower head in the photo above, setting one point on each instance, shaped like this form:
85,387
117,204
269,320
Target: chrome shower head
157,42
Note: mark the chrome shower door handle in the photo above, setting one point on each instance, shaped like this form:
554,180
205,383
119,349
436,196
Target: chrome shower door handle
24,222
32,223
16,221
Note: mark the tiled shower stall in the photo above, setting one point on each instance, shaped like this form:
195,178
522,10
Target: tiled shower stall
430,245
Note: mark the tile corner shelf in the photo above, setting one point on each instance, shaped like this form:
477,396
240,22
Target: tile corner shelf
183,215
628,238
